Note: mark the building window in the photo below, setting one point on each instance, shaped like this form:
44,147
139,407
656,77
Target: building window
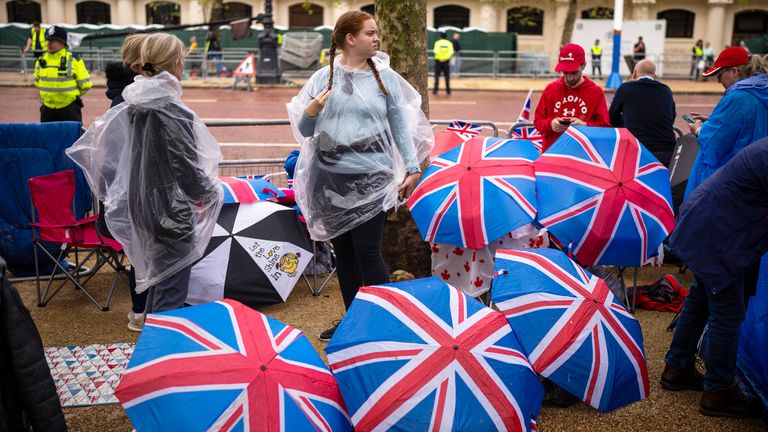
597,13
237,10
369,9
163,13
22,11
308,17
525,20
93,12
679,22
455,16
750,23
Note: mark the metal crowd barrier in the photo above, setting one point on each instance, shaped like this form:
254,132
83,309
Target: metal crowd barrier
678,131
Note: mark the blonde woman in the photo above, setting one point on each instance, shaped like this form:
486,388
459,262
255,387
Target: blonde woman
120,75
161,192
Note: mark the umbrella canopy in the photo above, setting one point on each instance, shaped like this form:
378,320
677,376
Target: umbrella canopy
421,355
572,328
476,192
256,255
248,189
223,366
605,196
686,150
445,141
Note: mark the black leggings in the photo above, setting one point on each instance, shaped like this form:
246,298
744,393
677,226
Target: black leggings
359,261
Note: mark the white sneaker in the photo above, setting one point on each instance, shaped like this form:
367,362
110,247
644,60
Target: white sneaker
135,321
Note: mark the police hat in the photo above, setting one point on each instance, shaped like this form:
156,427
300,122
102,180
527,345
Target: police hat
56,32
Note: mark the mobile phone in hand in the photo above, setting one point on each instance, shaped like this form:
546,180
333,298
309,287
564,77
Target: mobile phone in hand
687,119
565,121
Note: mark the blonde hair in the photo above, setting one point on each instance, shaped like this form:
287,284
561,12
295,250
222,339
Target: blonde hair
756,65
160,53
131,51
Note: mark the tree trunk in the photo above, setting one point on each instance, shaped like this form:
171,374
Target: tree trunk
403,27
570,18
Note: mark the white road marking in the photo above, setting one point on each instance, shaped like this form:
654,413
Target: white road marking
200,100
452,102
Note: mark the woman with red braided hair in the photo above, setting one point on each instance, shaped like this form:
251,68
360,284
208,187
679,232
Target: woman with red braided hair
363,136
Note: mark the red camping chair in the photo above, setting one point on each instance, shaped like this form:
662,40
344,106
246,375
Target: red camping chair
52,198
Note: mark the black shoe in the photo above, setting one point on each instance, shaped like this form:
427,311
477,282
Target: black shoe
676,379
328,334
729,402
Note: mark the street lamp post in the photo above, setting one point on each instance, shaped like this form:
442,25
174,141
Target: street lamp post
268,70
614,79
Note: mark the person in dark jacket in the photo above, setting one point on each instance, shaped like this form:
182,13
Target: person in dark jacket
721,234
119,76
645,106
27,393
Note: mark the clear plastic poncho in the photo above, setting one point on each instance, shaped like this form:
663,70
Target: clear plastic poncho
357,151
154,165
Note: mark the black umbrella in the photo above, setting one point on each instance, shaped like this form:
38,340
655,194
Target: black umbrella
686,149
256,255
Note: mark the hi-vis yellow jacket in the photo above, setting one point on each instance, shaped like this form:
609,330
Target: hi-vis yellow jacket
61,78
38,35
443,50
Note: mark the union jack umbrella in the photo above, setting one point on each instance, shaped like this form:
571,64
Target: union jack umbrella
248,189
445,141
476,193
571,327
606,197
529,133
223,367
421,355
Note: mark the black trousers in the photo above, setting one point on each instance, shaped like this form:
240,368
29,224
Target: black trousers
442,68
71,112
359,261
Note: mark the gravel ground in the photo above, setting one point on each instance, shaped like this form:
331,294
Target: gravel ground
70,319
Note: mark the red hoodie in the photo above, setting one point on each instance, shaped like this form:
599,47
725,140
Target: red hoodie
586,102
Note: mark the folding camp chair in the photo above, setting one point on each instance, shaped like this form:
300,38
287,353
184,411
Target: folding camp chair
52,197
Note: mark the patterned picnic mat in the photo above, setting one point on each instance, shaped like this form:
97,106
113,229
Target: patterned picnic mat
88,375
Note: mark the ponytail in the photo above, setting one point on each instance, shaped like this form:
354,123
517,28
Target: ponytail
333,56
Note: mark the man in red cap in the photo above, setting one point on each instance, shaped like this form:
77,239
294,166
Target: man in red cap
572,99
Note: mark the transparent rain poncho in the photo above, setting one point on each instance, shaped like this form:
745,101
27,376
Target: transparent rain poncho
357,151
154,164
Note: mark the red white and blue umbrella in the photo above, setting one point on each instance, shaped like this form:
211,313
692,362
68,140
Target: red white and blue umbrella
600,192
572,328
476,192
225,367
421,355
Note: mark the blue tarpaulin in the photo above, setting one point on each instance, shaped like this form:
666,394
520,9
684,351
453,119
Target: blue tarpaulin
29,150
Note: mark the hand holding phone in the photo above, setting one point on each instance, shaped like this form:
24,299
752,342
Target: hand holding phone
565,121
687,119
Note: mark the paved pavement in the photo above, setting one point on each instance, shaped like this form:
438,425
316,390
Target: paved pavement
501,106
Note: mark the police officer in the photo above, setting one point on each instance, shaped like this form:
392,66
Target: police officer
61,78
597,52
443,51
36,40
697,55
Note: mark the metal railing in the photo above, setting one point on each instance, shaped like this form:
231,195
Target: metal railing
678,131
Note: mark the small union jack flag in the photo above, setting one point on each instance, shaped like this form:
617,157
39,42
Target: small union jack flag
529,133
571,326
421,355
466,129
222,366
248,189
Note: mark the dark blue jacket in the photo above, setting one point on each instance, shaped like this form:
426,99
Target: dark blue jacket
722,229
647,109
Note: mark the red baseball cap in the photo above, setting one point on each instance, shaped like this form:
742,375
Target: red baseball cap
571,58
729,57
